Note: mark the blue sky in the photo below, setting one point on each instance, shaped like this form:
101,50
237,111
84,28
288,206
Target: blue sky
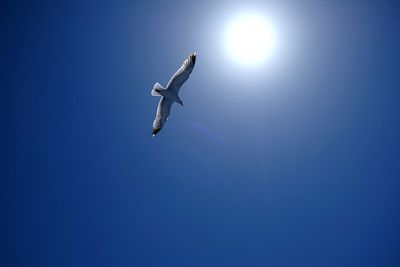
292,163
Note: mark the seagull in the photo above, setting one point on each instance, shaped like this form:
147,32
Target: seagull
169,94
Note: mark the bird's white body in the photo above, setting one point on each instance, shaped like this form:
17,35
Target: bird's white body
170,93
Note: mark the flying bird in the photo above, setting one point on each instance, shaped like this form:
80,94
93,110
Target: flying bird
169,94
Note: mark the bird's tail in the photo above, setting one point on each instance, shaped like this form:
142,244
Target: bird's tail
156,89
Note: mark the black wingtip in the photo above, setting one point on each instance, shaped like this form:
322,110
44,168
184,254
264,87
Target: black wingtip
155,131
193,57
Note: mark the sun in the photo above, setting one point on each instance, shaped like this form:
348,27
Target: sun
250,39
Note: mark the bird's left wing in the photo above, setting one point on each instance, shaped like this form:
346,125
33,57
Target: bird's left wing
163,109
182,73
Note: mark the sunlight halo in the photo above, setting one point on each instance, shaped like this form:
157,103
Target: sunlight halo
249,39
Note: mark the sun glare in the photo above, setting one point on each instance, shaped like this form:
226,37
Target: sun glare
250,39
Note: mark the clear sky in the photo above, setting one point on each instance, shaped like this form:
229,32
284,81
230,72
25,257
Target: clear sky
294,162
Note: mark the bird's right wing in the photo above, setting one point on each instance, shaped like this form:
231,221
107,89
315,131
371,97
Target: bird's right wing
182,74
163,109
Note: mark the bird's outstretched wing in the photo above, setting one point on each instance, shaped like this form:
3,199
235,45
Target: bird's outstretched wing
182,73
163,109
